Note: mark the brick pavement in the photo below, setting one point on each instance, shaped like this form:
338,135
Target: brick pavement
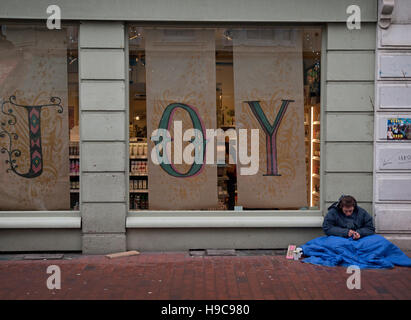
179,276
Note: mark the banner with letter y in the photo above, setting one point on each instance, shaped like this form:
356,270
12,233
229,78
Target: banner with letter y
269,96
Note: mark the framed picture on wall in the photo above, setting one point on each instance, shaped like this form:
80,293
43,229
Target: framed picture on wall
399,129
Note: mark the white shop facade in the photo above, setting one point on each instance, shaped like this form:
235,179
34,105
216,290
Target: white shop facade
81,105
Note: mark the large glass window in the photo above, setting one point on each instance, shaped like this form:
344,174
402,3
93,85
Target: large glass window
224,118
39,118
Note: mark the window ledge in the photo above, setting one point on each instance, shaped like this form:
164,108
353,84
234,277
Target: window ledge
308,221
40,220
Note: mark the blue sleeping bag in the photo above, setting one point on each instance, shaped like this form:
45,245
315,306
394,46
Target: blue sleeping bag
370,252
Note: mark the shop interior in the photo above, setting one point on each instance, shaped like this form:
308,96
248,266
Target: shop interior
73,106
139,184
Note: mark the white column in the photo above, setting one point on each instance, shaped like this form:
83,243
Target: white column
103,136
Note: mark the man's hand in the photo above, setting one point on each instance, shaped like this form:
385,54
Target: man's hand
356,235
350,233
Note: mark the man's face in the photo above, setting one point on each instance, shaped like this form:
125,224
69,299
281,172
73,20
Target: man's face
348,210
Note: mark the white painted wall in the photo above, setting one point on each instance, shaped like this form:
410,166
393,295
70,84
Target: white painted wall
392,159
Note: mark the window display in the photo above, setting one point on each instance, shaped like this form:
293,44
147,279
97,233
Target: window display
39,114
236,80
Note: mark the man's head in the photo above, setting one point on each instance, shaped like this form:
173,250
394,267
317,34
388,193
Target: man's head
347,205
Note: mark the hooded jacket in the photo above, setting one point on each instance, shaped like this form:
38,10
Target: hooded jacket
336,223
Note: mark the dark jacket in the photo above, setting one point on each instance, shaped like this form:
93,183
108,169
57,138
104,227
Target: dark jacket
336,223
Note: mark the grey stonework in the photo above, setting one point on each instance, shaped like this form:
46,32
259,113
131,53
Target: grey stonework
103,113
392,177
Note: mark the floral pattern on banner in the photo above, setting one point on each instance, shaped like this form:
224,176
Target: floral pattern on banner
180,71
270,71
40,74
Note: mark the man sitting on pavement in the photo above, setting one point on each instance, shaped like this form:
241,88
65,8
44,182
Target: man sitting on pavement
346,219
351,240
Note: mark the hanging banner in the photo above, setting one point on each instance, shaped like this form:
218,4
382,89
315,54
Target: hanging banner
268,80
180,75
34,137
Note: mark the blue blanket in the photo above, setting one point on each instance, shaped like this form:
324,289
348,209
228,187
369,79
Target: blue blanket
370,252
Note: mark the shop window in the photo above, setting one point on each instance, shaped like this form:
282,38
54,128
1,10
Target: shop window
39,118
237,80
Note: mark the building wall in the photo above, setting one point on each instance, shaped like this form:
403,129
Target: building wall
103,135
192,10
347,126
392,185
349,114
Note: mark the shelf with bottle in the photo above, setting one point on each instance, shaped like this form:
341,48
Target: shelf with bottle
74,149
138,150
74,168
139,201
74,186
138,188
138,168
74,162
139,185
74,158
315,144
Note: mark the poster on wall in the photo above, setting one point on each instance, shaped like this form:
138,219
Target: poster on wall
399,129
180,75
34,134
268,79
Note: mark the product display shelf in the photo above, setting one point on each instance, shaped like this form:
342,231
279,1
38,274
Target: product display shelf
74,162
315,154
138,175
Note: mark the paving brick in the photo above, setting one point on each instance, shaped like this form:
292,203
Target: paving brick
180,276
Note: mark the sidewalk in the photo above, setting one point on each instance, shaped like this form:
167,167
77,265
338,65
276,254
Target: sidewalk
179,276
